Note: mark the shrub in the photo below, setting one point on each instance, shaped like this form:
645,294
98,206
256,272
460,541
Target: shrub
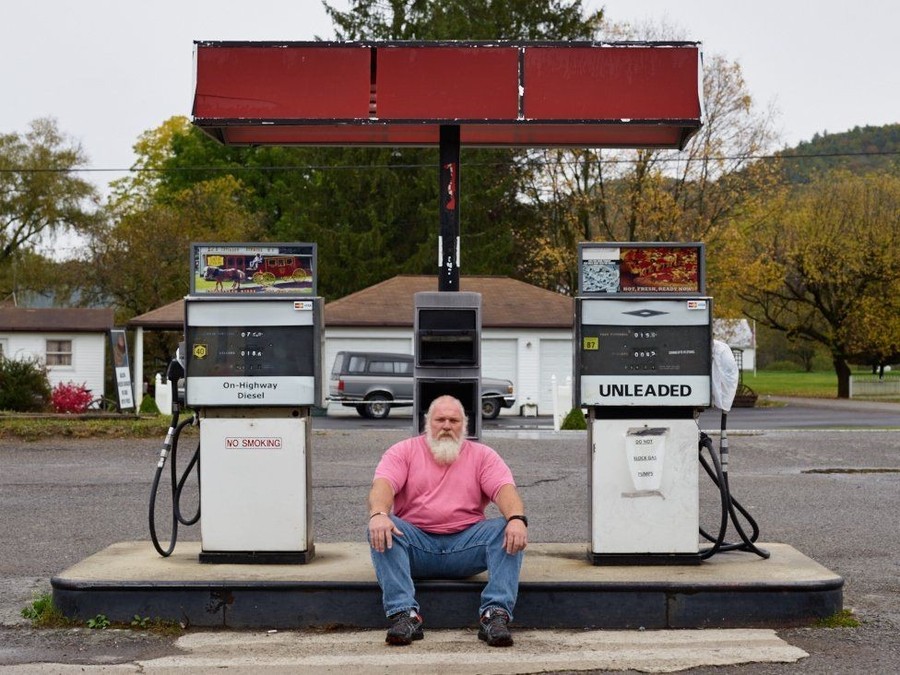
24,386
71,398
574,420
148,406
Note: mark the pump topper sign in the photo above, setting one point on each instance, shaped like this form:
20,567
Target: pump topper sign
641,269
229,268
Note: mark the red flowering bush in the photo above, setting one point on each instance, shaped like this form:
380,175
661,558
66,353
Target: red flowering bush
70,397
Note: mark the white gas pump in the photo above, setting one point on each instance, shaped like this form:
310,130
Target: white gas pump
643,364
252,372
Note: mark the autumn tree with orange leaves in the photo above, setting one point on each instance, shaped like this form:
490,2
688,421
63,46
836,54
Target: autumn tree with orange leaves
821,263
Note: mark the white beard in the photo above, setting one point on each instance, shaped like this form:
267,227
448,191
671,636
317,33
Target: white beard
445,450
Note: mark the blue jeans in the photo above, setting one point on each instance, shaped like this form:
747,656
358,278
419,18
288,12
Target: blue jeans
422,555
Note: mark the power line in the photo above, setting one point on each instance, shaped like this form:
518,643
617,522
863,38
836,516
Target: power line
358,167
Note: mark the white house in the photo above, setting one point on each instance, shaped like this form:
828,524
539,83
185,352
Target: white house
70,342
740,336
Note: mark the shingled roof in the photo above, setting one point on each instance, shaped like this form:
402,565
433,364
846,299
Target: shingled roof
167,317
55,320
505,303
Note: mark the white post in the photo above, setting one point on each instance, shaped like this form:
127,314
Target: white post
137,376
555,396
163,394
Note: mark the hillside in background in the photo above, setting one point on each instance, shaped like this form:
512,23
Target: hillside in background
860,150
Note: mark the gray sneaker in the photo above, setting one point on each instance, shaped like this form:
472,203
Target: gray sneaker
406,627
494,628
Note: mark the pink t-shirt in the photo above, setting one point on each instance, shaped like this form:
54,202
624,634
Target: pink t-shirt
439,498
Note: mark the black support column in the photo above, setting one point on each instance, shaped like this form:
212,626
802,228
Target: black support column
448,245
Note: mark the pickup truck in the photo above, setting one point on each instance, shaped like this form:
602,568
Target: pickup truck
374,382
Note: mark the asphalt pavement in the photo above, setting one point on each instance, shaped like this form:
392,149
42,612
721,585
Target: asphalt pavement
772,412
832,493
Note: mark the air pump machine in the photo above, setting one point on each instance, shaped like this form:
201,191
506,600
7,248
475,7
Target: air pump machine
447,329
252,371
643,371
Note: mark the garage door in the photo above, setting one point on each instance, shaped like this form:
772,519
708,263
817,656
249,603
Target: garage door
498,359
556,359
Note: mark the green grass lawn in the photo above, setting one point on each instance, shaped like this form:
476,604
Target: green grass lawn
818,384
789,383
34,427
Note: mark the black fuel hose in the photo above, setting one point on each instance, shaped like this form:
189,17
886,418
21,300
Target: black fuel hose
718,472
170,447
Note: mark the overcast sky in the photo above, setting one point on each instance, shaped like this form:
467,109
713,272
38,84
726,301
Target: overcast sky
108,70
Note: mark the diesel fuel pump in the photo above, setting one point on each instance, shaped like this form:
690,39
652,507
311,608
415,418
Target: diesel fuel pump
252,371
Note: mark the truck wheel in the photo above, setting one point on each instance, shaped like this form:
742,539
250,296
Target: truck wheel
362,411
490,408
378,406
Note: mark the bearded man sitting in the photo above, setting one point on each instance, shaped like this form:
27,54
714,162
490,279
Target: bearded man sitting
427,520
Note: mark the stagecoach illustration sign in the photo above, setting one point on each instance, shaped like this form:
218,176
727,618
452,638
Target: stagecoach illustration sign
228,268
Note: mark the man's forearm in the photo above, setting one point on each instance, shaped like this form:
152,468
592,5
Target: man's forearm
509,502
381,497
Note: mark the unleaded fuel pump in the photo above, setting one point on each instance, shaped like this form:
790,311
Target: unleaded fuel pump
646,364
643,371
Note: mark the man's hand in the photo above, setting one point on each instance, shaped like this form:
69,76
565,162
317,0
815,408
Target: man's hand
381,532
515,538
381,527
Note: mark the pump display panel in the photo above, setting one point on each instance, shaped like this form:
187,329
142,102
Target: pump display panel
252,352
653,352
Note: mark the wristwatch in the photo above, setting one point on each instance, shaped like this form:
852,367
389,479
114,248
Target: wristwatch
524,519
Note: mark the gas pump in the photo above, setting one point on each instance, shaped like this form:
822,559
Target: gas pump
643,368
447,348
252,371
646,365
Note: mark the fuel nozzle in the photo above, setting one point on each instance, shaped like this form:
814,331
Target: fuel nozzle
175,374
175,371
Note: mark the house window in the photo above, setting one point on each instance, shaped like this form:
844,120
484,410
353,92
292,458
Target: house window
59,353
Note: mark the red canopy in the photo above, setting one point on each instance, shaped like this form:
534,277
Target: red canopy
499,93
